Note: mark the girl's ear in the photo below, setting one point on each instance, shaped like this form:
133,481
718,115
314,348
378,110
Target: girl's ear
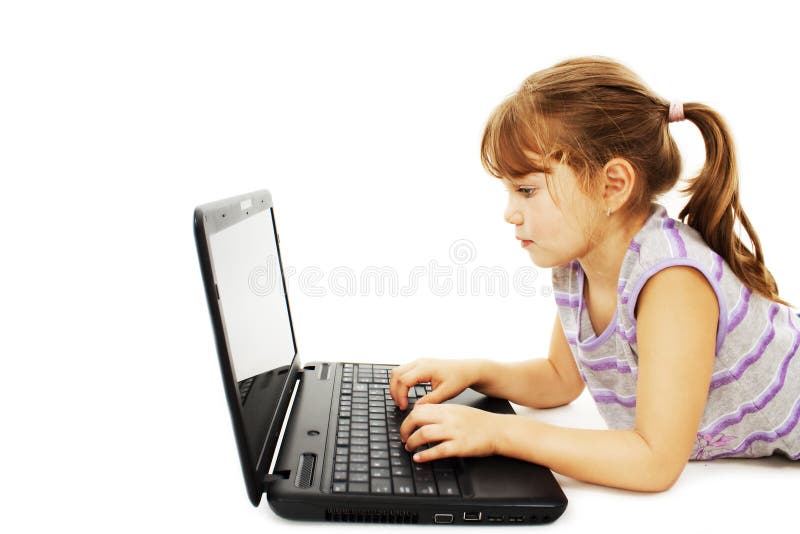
619,177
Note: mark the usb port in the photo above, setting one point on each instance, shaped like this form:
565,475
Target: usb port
515,519
442,518
472,516
495,518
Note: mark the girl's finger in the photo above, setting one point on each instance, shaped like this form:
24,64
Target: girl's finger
405,381
424,415
445,449
436,396
426,434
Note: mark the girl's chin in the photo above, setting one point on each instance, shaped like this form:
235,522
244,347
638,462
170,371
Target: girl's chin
541,260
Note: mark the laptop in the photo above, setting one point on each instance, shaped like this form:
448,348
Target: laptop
321,439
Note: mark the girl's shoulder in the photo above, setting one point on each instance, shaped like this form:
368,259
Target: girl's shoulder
664,242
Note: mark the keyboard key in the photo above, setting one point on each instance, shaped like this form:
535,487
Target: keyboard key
426,488
403,486
359,458
361,467
339,475
422,467
447,487
379,473
339,487
358,487
444,475
378,462
442,465
358,477
381,485
401,471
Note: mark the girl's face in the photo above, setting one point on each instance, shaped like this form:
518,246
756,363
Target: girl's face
553,236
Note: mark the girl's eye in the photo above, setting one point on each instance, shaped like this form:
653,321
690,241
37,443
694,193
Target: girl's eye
526,191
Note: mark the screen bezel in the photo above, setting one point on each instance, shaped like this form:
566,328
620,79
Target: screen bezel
209,219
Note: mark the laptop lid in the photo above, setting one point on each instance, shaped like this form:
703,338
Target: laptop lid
237,245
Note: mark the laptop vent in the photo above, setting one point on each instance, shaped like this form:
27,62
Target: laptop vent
356,515
305,470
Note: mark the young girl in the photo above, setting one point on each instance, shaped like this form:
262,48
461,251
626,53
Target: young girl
676,328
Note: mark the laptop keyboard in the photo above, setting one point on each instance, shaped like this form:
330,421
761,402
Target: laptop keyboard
370,458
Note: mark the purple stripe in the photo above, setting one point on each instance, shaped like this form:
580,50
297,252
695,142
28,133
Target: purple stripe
628,336
762,400
717,267
741,309
571,339
605,364
566,300
768,436
605,396
595,342
634,246
726,376
621,286
669,225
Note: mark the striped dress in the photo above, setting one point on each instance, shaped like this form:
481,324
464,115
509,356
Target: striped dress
754,397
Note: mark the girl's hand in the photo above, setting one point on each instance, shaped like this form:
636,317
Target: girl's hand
461,431
448,378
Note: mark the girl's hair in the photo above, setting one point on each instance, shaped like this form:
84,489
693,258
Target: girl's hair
584,111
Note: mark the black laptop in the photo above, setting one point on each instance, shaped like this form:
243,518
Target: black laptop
322,439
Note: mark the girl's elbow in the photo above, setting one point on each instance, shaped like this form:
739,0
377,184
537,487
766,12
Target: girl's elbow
663,475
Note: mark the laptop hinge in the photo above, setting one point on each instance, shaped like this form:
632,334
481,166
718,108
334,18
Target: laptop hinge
281,475
269,479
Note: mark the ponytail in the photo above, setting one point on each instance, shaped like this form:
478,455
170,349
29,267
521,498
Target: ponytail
714,205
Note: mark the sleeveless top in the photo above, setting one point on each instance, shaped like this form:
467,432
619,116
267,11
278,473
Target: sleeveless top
753,402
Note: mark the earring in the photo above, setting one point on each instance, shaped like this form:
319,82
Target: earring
608,212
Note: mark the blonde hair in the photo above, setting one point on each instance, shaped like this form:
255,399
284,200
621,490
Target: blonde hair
584,111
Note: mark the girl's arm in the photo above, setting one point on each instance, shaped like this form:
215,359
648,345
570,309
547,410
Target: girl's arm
676,332
538,383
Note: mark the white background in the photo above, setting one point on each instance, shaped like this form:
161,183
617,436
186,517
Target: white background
363,119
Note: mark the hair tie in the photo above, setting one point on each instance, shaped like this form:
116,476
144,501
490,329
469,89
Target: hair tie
676,112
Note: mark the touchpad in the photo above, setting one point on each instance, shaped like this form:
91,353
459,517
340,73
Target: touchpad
503,478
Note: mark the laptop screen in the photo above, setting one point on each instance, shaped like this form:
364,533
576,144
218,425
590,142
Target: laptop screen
255,315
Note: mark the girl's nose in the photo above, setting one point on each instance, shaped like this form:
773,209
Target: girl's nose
512,215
